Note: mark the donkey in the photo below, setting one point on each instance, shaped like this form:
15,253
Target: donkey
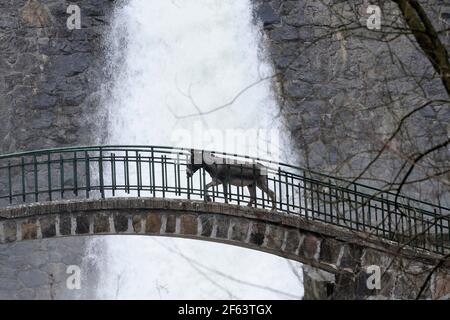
225,172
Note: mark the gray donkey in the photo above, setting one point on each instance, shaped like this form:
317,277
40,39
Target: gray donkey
226,172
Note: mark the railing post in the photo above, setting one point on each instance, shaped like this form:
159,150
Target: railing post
113,174
100,169
318,202
164,174
389,217
356,207
375,205
127,173
441,227
254,185
288,200
138,173
61,175
383,217
227,187
188,185
153,172
75,174
313,215
215,190
87,167
36,187
166,178
416,233
293,194
24,192
305,198
10,183
363,201
242,185
203,178
331,204
280,189
436,242
49,176
179,174
323,194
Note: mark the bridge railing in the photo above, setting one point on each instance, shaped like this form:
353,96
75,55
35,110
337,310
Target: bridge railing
141,171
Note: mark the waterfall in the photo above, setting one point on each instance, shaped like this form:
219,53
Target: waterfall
191,73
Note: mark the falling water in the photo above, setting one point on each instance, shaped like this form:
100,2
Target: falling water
191,73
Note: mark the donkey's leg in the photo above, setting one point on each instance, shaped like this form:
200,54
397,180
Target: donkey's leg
262,184
225,191
252,191
210,185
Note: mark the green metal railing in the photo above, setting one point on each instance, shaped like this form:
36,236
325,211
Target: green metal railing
155,171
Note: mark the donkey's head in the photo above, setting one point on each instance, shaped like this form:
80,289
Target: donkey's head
194,163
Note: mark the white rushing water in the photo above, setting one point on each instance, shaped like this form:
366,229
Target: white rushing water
172,59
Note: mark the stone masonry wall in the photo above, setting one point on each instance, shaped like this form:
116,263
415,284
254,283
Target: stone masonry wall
50,88
344,89
39,269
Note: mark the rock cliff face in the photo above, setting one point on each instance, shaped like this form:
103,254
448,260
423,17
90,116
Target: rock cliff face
40,270
345,89
50,75
50,88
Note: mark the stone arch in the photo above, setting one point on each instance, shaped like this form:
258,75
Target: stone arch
310,242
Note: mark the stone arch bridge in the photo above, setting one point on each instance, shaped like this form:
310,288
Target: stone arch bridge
339,227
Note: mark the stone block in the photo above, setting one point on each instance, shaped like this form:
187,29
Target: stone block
188,224
275,237
310,246
171,223
351,257
292,241
330,250
65,224
101,223
222,227
121,222
257,233
153,223
136,222
82,224
239,230
29,230
207,222
48,227
10,231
